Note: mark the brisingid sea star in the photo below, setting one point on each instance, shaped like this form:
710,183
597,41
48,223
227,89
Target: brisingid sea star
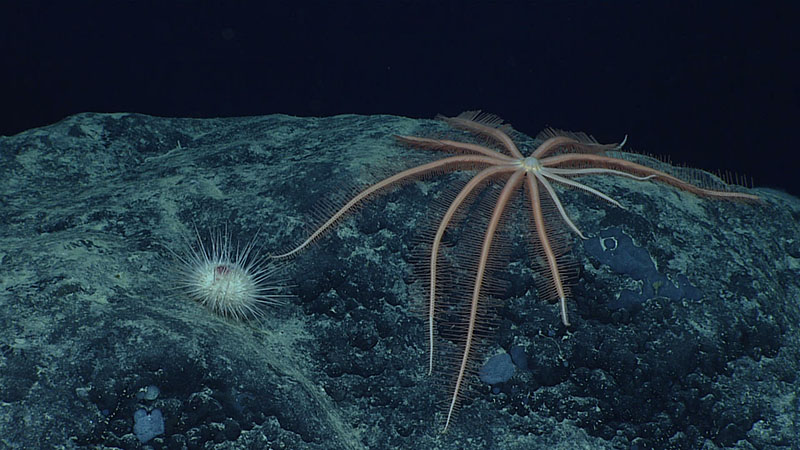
559,158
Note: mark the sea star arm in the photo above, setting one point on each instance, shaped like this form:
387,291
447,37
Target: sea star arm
552,173
548,174
471,121
546,248
554,143
634,169
465,192
542,177
445,144
480,273
596,171
441,164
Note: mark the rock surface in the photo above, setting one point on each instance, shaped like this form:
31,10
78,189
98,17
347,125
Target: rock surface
89,316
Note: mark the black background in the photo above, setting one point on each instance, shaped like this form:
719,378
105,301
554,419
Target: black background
709,84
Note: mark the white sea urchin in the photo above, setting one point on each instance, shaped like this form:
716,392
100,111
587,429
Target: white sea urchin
231,282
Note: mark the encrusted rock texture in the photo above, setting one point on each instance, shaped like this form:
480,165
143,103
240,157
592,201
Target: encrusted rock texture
685,311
